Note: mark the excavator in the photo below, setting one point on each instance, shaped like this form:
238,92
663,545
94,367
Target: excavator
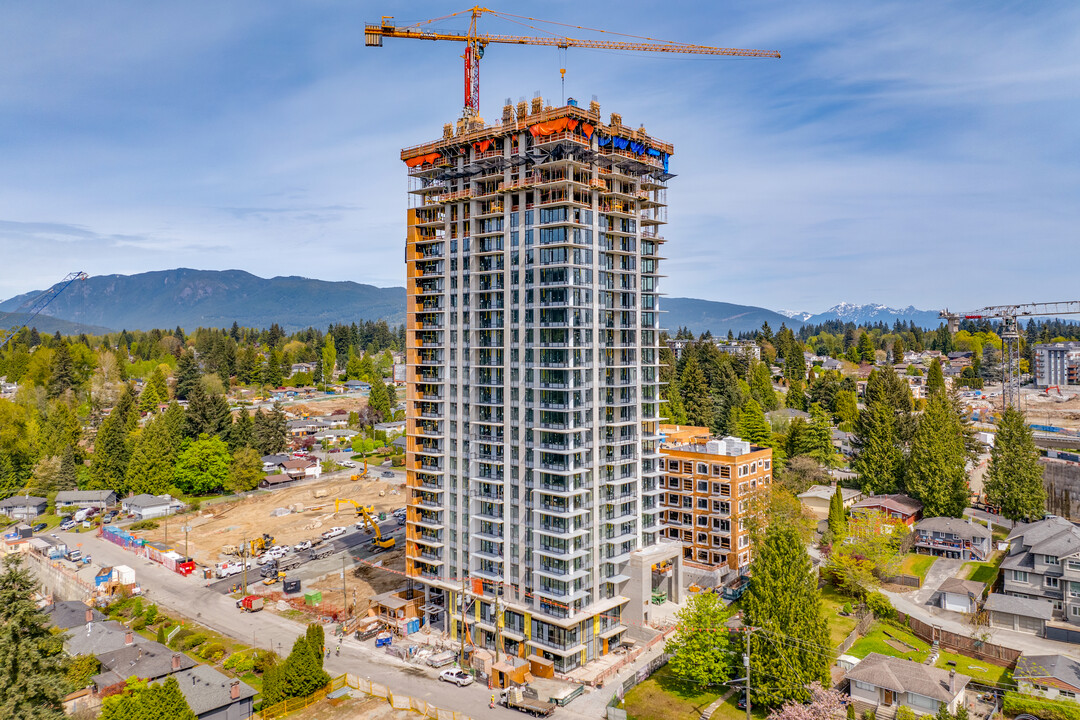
260,545
345,501
378,541
362,475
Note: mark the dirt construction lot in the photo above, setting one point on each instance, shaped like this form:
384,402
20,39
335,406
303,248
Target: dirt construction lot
313,505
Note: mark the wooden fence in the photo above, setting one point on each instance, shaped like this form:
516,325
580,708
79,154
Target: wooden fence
865,621
962,644
907,580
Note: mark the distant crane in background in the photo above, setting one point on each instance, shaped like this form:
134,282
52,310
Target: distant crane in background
476,42
35,305
1010,336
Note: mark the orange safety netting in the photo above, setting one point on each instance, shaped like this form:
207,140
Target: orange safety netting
587,129
550,128
482,145
420,160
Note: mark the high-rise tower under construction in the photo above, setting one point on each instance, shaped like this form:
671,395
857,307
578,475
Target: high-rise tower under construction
533,253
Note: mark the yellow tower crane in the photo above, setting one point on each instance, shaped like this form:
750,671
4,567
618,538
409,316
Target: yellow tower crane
476,42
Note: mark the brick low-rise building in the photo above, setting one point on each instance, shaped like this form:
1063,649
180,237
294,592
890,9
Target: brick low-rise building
709,498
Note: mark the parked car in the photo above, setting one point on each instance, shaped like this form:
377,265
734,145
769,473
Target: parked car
387,473
306,544
348,464
456,676
67,524
333,532
39,527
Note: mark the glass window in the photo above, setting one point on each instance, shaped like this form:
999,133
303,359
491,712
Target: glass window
1020,576
865,686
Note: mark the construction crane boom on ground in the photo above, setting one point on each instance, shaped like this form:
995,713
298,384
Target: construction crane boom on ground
476,42
35,305
1010,335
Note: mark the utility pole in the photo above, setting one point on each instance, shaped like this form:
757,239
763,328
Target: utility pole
746,664
243,563
187,555
497,638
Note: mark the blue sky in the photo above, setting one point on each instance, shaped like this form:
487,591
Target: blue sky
908,152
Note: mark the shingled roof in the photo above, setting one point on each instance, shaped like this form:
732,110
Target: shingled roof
901,675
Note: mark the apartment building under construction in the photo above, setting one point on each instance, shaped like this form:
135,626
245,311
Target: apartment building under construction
714,490
533,252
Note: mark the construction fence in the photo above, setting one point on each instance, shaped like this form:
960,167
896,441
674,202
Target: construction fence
337,687
961,644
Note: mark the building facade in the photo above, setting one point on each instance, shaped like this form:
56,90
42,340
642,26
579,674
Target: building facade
532,391
1044,563
1057,364
710,497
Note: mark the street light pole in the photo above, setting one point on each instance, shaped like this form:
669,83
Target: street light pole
746,664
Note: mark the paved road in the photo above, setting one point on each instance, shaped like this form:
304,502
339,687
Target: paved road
188,597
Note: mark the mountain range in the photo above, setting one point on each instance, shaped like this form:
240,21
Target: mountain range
215,298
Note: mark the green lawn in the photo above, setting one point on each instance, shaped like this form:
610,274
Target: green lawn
729,710
832,600
980,572
915,564
875,641
663,697
980,671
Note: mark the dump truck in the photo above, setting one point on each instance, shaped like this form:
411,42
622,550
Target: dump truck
290,561
250,603
320,552
518,699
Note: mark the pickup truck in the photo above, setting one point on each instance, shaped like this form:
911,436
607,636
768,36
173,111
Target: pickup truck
516,699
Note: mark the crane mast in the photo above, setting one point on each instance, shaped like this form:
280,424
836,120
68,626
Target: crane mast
476,42
1010,335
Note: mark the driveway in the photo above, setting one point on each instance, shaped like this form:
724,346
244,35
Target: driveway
940,571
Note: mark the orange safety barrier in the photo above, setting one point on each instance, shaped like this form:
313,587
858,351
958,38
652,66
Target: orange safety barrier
550,128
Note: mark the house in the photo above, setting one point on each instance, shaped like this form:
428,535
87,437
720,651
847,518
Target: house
399,443
67,614
146,661
842,441
392,429
832,364
214,696
1021,614
960,595
818,498
335,436
86,498
356,386
144,507
1054,677
298,468
1044,563
953,538
880,681
100,637
23,507
895,507
276,482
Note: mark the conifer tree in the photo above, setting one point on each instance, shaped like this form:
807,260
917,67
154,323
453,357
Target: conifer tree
68,477
672,407
30,655
847,410
150,469
160,385
761,386
62,372
865,348
837,514
789,649
935,379
207,413
752,424
242,431
878,457
696,397
819,436
316,640
187,375
111,449
936,474
1014,480
302,674
329,360
796,395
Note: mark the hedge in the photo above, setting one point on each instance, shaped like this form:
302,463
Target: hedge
1015,704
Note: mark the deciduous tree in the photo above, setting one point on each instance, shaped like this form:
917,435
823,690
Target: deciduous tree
245,471
699,649
204,466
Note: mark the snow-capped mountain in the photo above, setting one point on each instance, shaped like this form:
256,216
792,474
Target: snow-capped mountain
874,312
796,315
